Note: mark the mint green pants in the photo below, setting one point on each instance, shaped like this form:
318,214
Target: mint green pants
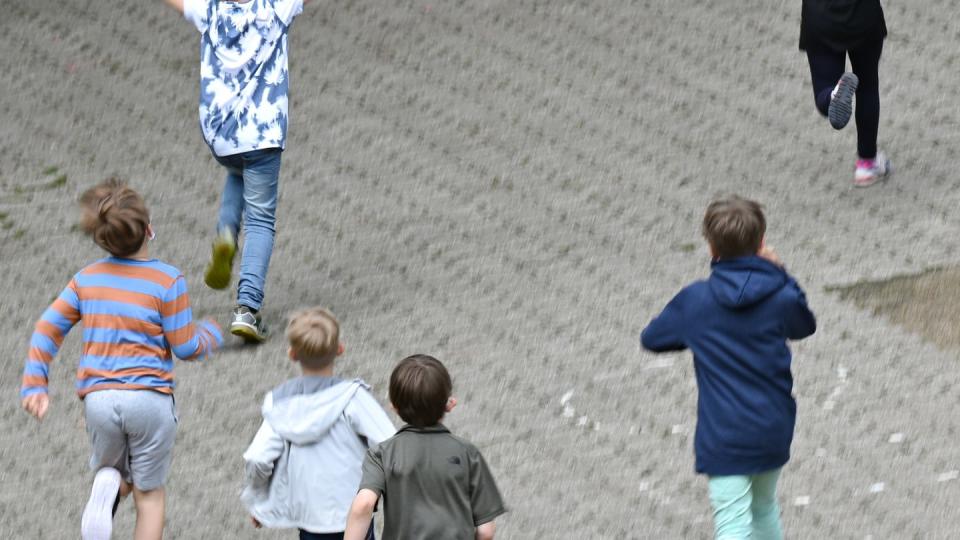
746,506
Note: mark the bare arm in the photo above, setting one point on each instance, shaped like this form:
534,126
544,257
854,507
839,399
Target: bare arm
175,4
361,512
486,531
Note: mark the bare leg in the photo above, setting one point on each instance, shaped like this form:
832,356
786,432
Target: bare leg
150,513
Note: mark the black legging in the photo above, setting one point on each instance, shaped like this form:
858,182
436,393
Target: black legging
826,67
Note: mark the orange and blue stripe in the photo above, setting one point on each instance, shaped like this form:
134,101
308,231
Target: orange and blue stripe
136,317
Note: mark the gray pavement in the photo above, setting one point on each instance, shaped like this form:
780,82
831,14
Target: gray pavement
516,188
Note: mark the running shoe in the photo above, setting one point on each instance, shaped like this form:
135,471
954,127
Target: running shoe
841,100
870,171
217,275
97,520
248,325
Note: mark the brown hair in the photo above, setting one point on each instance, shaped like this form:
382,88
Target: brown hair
115,216
419,389
734,227
314,336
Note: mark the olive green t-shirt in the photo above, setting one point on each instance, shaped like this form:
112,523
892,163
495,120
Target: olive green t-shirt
433,485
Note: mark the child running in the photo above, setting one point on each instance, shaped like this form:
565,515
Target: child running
303,466
737,324
135,312
829,31
243,117
433,484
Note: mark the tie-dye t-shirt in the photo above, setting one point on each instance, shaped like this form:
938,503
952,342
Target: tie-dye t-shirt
243,71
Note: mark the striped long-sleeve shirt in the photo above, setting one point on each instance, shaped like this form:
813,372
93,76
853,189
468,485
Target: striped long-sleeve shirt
136,315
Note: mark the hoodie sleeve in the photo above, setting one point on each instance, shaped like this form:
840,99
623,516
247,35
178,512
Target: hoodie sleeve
799,320
261,455
368,419
665,332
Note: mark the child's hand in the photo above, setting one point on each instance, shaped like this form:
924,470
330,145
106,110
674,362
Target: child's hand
766,252
255,523
36,404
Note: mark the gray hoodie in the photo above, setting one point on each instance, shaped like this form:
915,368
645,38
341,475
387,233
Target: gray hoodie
304,464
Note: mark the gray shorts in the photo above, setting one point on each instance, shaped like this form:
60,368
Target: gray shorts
132,431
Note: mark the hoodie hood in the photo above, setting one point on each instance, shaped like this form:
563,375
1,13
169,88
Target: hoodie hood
306,418
742,282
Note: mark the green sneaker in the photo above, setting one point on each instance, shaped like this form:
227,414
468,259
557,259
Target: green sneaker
248,325
218,271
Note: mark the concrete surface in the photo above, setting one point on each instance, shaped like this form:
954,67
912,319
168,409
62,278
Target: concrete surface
515,187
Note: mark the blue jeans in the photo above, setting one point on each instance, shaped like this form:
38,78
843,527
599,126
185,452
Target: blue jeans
746,506
250,194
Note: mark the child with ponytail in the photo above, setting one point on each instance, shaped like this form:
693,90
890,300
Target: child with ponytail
136,316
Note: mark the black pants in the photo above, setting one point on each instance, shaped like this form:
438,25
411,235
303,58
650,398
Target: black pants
826,67
307,535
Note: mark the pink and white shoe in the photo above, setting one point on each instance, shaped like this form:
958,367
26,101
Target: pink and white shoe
97,520
870,171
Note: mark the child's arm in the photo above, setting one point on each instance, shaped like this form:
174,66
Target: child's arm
486,531
800,321
485,500
361,512
261,456
665,332
46,340
176,4
187,341
368,419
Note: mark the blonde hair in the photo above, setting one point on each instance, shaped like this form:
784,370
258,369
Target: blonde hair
115,216
314,336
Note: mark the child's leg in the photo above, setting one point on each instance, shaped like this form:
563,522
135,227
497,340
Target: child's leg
765,509
150,513
731,499
261,173
826,68
151,427
231,205
866,61
218,272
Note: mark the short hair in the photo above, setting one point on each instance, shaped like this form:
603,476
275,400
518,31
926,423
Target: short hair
115,216
419,389
734,227
314,336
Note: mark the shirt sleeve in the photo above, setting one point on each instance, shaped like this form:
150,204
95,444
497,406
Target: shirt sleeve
48,335
665,332
287,10
368,419
261,456
485,499
799,321
373,477
198,13
186,340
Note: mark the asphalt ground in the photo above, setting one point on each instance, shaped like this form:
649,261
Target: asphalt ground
515,188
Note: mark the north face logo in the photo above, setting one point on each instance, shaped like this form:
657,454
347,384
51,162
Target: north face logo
453,460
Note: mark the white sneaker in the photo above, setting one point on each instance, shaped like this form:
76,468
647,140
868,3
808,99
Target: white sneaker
97,520
870,171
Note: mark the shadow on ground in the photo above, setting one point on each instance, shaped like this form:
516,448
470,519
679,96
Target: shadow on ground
927,304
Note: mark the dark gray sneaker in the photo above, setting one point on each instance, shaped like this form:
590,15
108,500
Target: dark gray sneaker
841,100
248,325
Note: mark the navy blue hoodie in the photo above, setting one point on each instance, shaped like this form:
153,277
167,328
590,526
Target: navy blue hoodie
737,324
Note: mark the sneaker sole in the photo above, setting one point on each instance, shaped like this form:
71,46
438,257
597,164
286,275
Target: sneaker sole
97,520
841,106
247,332
218,273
